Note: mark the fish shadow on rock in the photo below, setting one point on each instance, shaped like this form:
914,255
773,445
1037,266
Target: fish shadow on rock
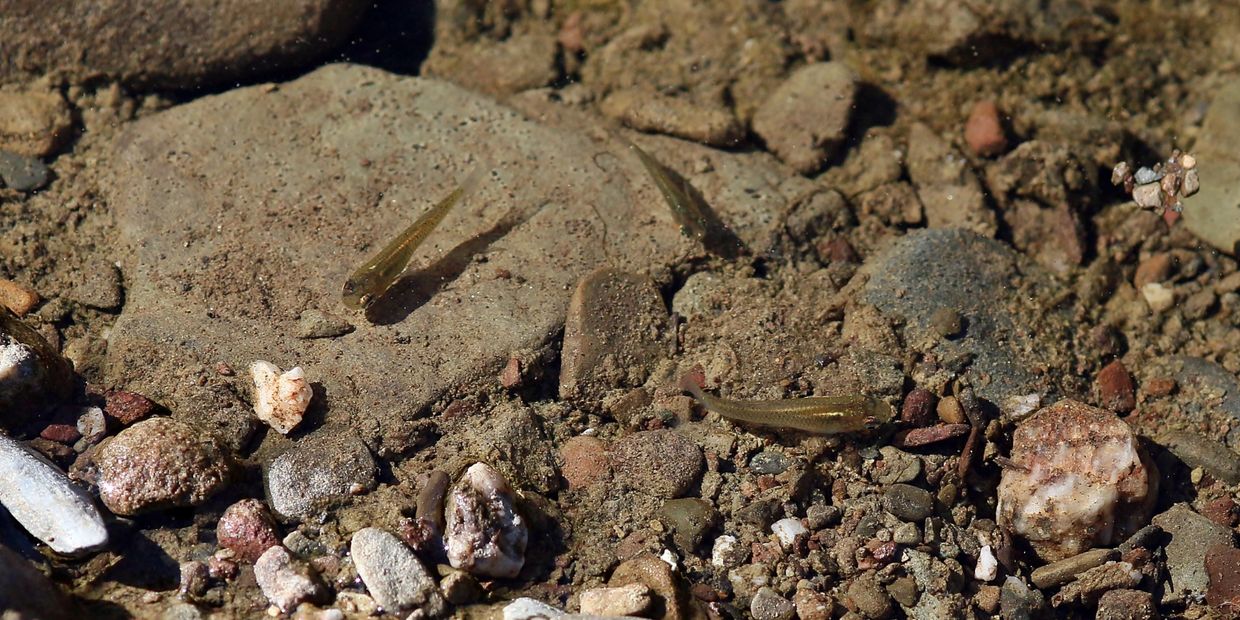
416,288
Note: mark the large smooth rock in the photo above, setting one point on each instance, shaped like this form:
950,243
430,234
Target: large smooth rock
1010,344
179,44
1213,213
41,498
246,209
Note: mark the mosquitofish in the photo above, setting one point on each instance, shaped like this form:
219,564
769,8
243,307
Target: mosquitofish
378,274
826,415
688,206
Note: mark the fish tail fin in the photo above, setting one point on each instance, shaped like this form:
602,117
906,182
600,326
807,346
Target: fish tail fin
692,382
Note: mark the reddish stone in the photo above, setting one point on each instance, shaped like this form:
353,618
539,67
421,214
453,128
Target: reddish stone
53,450
837,250
247,529
984,130
1160,387
510,377
1222,511
918,408
1114,388
585,461
63,433
221,569
928,435
127,407
1156,268
1223,566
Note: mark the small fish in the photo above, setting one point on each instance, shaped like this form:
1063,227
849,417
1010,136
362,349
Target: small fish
817,414
688,206
378,274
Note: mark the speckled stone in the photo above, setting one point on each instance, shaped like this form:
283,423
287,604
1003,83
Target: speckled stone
159,463
662,463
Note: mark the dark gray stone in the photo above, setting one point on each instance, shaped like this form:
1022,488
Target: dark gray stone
24,174
318,472
907,502
769,462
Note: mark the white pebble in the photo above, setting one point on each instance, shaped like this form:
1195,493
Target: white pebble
787,530
41,498
530,609
987,566
670,559
724,553
1019,406
1188,161
486,535
1158,297
280,400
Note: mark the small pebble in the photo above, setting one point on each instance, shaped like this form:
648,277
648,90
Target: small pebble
931,434
459,587
1017,601
983,131
811,605
1114,388
918,408
907,502
727,552
1191,536
314,324
1125,604
950,411
510,376
987,567
247,529
195,578
631,600
906,534
1197,450
1020,406
1156,268
92,425
127,407
585,461
1146,175
50,507
787,530
531,609
24,174
769,462
767,604
689,518
1158,297
394,576
662,463
17,297
280,398
286,581
1061,572
62,433
947,322
869,597
318,472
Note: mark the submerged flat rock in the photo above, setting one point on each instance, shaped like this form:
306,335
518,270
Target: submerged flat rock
249,208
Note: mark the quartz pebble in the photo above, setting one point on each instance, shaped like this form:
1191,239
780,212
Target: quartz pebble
280,398
1080,479
286,581
767,604
39,497
393,574
486,535
631,600
247,529
987,565
787,530
1159,297
159,463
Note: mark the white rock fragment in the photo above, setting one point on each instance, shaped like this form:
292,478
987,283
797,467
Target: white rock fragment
393,574
486,536
286,581
726,553
787,530
1018,406
987,565
1077,479
531,609
280,399
1148,196
1158,297
43,500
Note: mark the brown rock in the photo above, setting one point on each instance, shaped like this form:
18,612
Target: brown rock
127,407
1223,566
1223,511
987,598
1114,388
33,124
62,433
662,463
612,336
836,250
805,120
180,44
585,461
1080,480
918,408
928,435
1160,387
811,605
159,463
1125,604
648,570
652,112
17,297
1156,268
950,411
248,529
983,132
510,376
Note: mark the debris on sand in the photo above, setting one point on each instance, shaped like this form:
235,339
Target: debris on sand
280,398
